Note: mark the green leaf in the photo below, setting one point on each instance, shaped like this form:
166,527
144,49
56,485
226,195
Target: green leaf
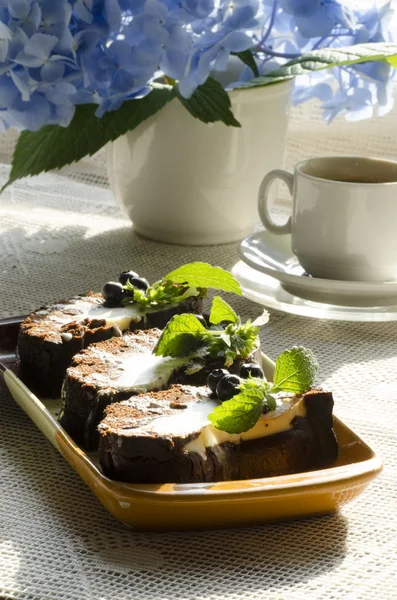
238,414
326,58
179,337
295,370
210,103
248,59
254,385
271,402
53,147
221,311
203,275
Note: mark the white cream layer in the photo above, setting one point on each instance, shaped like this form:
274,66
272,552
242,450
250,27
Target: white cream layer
269,424
119,315
195,419
140,372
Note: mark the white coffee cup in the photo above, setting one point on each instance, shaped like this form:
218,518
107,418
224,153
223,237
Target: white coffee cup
344,217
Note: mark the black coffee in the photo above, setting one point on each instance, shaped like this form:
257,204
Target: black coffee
352,179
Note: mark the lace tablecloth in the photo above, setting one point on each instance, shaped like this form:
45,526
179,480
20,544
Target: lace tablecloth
61,234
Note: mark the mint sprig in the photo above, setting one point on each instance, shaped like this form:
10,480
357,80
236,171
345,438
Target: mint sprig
221,311
236,340
190,280
180,337
162,294
203,275
294,373
295,370
238,414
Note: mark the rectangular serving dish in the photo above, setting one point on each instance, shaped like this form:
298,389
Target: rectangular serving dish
201,505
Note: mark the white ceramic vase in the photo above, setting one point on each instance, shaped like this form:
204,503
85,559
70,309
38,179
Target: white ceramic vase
184,182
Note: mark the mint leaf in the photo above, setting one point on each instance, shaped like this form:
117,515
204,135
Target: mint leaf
238,414
271,402
248,59
221,311
326,58
53,147
210,103
203,275
295,370
179,338
184,334
254,385
162,294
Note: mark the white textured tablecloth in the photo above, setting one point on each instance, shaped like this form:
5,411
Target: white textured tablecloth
61,234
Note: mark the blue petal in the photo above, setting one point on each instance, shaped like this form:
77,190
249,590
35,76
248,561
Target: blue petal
237,42
19,9
5,32
40,45
60,92
4,45
82,11
55,11
112,15
8,91
299,8
52,71
21,81
33,115
198,8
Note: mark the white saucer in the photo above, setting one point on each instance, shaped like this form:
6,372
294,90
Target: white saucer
269,292
272,255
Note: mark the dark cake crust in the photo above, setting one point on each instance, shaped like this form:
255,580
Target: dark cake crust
47,344
140,458
85,398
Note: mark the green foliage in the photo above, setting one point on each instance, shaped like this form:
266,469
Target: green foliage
210,103
185,333
53,147
221,311
203,275
180,337
294,373
189,280
326,58
238,414
295,370
248,59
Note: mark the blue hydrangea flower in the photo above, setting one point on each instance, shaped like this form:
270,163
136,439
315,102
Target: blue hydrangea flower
56,54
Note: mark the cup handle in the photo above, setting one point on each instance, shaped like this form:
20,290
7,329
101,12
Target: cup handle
263,194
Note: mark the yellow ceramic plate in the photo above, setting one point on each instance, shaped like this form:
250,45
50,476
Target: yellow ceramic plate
204,505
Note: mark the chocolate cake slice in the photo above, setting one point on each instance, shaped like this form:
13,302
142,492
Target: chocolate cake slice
163,437
114,369
51,336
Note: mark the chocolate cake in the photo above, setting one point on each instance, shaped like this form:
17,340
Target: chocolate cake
114,369
165,436
51,336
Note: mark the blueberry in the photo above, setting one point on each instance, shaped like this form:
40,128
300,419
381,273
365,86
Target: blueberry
228,387
214,377
126,276
128,294
252,369
112,293
140,283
